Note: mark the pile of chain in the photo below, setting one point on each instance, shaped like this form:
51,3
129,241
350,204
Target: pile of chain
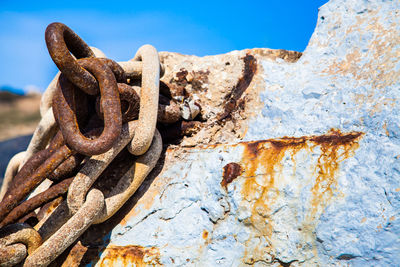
93,111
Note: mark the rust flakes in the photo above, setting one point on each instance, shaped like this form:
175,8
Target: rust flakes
198,79
75,256
183,78
250,68
130,256
262,162
230,172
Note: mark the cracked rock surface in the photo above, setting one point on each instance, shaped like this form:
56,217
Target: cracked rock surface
296,161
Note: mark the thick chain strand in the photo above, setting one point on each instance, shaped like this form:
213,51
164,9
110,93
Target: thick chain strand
122,116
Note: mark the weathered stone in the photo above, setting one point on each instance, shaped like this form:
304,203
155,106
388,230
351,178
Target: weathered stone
313,145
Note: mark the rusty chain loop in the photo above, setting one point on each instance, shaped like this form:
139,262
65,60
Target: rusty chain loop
149,99
64,111
20,233
60,41
95,166
12,255
90,112
129,103
17,240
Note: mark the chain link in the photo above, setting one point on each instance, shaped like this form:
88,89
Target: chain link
65,105
17,240
127,185
69,231
37,201
149,99
60,41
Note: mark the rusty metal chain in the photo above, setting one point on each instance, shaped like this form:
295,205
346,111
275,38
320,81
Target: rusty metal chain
37,201
127,185
92,109
149,99
61,41
17,240
64,108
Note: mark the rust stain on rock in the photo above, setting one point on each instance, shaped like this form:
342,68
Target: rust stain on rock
230,172
335,148
196,79
250,68
130,256
205,234
262,162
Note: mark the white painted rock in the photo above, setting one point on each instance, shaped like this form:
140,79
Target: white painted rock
310,147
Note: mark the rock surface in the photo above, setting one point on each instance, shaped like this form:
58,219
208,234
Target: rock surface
295,160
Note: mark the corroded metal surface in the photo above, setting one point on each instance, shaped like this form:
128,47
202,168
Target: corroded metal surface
131,180
68,232
149,99
60,41
129,103
64,110
33,173
37,201
95,166
20,233
12,255
16,241
130,255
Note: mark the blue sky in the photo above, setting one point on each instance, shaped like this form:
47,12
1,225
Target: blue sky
119,28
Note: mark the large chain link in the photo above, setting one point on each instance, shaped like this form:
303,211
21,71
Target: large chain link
17,240
92,110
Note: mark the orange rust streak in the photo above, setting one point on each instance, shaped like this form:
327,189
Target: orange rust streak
205,234
129,255
268,155
335,148
260,189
